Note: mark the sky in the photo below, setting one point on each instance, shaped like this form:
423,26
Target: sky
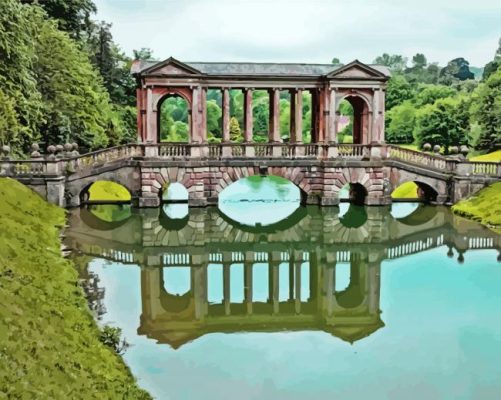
310,31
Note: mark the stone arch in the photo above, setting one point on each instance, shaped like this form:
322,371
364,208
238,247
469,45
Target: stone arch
232,174
161,96
157,178
366,177
432,189
362,111
127,177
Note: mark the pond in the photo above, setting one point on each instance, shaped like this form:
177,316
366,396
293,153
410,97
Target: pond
297,302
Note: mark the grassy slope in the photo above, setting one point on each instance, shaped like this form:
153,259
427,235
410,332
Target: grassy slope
49,345
490,157
484,207
108,191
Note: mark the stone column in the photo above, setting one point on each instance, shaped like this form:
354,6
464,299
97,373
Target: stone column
226,115
195,116
274,130
296,116
248,122
203,106
151,135
314,115
332,117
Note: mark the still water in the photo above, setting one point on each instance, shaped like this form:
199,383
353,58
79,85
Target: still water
400,302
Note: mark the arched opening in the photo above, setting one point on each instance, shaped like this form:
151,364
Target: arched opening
357,110
102,192
354,193
414,191
174,193
260,200
174,119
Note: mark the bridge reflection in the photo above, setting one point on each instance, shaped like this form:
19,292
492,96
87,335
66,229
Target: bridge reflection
272,294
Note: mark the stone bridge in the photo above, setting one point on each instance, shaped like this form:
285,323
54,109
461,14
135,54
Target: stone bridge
319,170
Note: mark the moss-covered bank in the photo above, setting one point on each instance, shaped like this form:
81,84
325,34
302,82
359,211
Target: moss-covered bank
484,207
49,342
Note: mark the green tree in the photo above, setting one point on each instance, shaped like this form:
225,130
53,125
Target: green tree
419,61
400,123
235,131
144,53
10,128
73,16
457,69
395,62
214,114
285,118
398,90
486,110
336,61
76,105
493,66
444,123
428,94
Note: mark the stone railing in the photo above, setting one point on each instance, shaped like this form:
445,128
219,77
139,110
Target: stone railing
62,163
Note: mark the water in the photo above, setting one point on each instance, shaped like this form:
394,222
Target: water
353,302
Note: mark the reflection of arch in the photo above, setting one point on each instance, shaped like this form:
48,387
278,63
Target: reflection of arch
420,216
355,217
171,224
361,110
354,295
94,222
357,193
282,225
174,93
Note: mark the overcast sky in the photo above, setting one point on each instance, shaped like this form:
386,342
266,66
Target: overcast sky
306,30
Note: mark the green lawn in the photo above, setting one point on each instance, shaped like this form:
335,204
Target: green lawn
49,341
484,207
490,157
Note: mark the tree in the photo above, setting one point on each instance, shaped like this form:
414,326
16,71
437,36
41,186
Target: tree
336,61
493,66
214,114
395,62
444,123
285,118
73,16
459,68
400,123
486,110
428,94
10,128
144,53
76,105
398,90
419,61
235,131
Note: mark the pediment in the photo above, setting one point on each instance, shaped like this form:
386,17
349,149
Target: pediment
171,66
356,70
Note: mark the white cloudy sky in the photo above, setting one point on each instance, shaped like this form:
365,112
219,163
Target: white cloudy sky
306,30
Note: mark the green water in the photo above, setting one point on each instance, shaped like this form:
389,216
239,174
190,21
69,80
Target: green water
352,302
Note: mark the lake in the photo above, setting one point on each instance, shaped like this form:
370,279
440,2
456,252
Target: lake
262,298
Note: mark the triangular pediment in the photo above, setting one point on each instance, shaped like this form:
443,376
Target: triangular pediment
356,70
171,66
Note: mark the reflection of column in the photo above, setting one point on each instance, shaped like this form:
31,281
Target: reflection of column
226,288
226,115
274,126
374,286
200,291
248,115
297,278
248,285
296,116
273,279
330,285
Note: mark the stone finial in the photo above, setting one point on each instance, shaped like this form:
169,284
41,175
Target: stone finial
35,153
68,147
464,150
454,150
51,150
436,149
59,150
5,151
74,147
427,147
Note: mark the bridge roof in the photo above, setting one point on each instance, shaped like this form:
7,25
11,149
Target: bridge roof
250,68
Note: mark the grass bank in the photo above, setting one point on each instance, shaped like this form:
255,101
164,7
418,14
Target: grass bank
49,341
484,207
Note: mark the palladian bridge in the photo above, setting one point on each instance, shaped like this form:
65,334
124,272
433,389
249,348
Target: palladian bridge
320,168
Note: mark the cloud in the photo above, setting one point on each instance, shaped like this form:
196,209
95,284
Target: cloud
305,30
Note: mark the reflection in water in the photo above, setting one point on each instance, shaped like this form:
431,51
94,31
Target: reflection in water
176,210
260,201
317,299
401,210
